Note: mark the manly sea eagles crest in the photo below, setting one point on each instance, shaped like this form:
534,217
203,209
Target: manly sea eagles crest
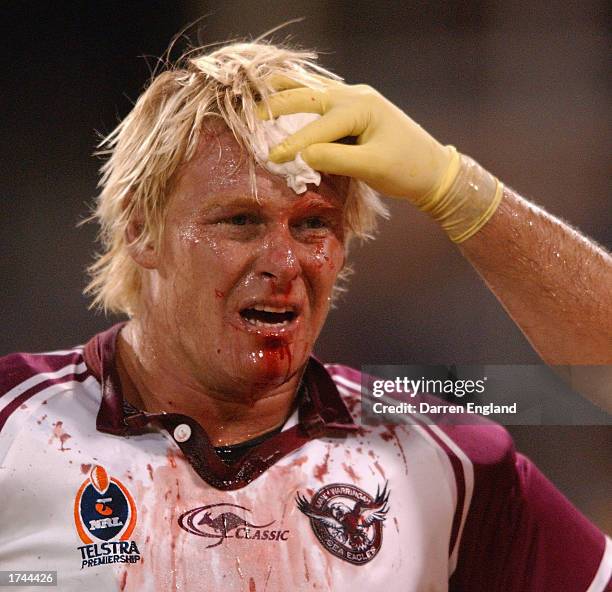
347,521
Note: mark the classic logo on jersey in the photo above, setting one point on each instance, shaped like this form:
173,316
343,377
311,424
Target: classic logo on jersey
347,521
105,516
222,524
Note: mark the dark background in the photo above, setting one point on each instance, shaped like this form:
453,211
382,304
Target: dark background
519,86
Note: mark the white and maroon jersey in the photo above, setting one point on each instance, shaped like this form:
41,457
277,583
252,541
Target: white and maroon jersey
117,499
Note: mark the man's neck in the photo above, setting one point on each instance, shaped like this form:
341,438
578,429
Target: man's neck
153,382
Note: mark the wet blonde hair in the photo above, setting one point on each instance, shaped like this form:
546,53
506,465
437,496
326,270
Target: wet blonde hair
161,132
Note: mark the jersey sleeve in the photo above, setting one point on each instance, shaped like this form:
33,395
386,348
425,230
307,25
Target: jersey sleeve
523,535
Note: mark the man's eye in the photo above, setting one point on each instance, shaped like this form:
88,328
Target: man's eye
240,220
315,222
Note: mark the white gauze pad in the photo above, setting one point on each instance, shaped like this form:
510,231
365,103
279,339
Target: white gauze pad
270,133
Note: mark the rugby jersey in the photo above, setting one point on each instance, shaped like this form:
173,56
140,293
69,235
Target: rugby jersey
117,499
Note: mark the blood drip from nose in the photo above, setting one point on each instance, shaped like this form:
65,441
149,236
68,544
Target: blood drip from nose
284,289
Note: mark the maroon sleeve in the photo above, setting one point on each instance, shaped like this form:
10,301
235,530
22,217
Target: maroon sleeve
522,535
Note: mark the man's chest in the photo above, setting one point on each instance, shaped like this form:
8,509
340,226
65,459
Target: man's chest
132,514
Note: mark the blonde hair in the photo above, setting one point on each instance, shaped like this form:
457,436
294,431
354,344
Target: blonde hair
161,132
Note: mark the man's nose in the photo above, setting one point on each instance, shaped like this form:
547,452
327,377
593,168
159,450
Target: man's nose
278,259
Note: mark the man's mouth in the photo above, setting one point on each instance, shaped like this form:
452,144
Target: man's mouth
261,315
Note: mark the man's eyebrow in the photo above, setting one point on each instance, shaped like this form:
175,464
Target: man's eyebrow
238,200
316,201
301,203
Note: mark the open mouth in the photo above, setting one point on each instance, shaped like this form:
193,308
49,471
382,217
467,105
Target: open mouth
268,316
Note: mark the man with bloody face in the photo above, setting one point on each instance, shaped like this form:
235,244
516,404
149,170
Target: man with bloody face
214,450
237,293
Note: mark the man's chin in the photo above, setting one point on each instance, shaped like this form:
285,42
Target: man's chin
272,365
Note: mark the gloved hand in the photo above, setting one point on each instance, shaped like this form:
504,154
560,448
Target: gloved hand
393,154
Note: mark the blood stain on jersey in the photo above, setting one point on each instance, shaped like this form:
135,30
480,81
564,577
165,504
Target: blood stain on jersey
105,516
60,435
227,524
351,472
391,434
347,521
322,469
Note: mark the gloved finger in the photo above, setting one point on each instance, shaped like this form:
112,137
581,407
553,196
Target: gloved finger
278,82
296,100
337,159
332,126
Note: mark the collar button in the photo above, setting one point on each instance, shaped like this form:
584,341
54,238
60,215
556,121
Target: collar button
182,432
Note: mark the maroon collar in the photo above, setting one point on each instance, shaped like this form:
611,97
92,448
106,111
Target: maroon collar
321,412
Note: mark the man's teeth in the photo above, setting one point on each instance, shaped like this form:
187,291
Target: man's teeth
264,315
259,323
265,308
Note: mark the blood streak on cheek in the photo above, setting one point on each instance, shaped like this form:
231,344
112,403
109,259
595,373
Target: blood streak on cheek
321,257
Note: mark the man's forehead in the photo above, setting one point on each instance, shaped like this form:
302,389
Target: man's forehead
221,166
218,149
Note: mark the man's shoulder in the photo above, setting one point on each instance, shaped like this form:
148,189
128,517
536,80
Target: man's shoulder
20,367
26,377
483,443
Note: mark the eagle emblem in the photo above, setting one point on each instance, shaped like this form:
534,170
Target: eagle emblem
347,521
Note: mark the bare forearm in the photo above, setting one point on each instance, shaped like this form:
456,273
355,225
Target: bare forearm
555,284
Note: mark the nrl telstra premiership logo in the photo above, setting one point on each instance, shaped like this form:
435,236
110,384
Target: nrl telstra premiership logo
105,516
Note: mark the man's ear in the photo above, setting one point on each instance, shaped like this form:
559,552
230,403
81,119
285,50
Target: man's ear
144,254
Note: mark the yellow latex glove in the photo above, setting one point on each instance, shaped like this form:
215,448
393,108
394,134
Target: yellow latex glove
393,154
